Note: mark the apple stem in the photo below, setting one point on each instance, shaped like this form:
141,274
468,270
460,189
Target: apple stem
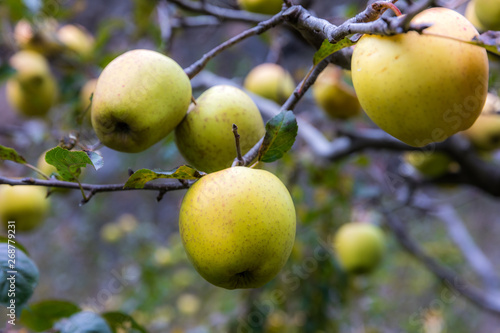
239,159
388,5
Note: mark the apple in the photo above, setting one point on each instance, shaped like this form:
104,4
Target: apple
32,90
484,134
238,227
359,247
334,96
270,81
421,88
431,164
205,137
488,13
40,37
25,204
140,97
470,14
188,304
269,7
77,39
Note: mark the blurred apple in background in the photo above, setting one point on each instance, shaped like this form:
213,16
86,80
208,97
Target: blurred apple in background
488,13
269,7
270,81
359,247
470,14
27,205
334,96
32,90
431,164
77,39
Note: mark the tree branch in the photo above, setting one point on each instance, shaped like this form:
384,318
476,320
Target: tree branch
94,188
316,30
195,68
457,231
452,280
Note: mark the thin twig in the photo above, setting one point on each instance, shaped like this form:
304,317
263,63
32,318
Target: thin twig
413,11
195,68
40,172
170,186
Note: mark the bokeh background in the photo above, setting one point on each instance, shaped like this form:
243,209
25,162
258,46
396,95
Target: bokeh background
122,251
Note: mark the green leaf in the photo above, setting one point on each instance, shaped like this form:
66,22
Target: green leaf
122,323
25,276
5,239
84,321
142,176
328,48
43,315
281,131
68,163
9,154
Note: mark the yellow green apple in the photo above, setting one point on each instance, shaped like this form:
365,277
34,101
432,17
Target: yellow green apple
270,81
484,134
25,204
269,7
238,227
488,13
140,97
421,88
334,96
205,137
470,14
432,164
32,90
359,247
77,39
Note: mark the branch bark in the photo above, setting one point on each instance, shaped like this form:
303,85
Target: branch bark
170,186
451,279
195,68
